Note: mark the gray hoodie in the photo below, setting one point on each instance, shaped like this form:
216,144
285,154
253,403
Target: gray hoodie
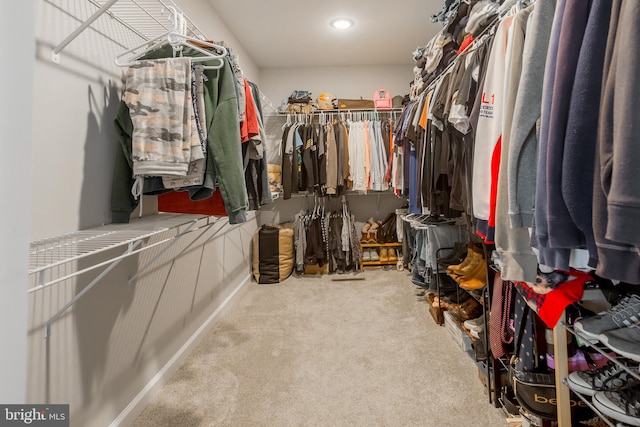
558,258
616,197
519,263
523,143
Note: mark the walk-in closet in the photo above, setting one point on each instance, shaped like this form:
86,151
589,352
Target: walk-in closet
337,213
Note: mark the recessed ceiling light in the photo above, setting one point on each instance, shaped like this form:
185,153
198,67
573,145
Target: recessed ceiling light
341,23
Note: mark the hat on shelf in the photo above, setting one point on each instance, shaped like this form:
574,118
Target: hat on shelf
327,101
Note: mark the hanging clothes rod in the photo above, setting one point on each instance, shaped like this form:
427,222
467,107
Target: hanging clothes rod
366,110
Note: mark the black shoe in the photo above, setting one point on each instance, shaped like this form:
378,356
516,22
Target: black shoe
455,297
455,257
447,288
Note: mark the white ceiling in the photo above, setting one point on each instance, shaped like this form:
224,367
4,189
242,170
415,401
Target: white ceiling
296,33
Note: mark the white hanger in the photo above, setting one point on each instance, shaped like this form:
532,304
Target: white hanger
177,41
288,122
177,38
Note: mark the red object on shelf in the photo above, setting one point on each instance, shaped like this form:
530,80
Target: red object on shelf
179,202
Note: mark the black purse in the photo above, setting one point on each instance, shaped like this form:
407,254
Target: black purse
536,391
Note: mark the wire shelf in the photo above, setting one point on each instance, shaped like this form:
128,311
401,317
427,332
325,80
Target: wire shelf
54,251
125,23
146,18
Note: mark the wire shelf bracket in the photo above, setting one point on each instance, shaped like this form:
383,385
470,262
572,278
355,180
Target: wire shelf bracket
141,18
54,252
55,54
114,264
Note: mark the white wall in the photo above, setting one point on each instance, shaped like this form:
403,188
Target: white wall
351,82
205,17
16,77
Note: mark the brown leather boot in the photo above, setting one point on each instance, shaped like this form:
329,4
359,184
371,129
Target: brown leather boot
469,309
373,232
469,269
391,252
440,303
464,263
365,232
476,280
384,255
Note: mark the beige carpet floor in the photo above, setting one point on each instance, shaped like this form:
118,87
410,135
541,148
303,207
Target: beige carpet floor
315,352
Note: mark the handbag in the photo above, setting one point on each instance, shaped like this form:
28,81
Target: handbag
536,391
382,99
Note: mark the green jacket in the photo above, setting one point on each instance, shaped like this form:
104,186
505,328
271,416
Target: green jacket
224,151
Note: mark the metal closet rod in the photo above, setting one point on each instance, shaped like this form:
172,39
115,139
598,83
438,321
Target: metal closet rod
345,110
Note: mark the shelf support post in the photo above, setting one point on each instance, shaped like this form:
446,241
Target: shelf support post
561,356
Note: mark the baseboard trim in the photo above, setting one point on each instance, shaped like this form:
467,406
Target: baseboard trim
133,409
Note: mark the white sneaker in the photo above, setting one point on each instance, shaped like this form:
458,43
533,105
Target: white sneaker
476,324
366,255
374,255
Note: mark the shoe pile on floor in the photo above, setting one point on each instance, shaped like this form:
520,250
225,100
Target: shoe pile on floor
615,388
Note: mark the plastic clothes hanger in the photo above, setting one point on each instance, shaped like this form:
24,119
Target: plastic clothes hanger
287,123
178,42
